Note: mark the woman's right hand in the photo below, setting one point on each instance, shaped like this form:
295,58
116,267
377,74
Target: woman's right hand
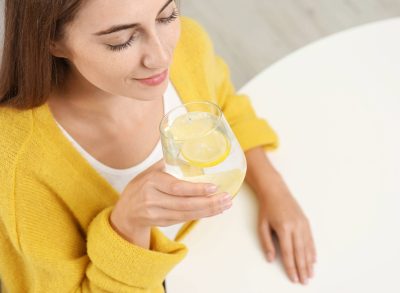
155,198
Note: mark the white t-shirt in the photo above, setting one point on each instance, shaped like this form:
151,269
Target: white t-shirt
119,178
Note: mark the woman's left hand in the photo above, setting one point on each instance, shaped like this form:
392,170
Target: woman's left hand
280,213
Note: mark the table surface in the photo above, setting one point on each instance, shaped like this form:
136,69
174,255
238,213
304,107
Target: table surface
336,107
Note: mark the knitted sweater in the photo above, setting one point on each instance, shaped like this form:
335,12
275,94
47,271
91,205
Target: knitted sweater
55,234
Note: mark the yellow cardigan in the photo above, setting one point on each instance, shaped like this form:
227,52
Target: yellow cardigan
55,234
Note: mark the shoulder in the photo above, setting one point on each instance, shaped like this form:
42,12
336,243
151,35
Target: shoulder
194,54
192,28
194,38
15,127
15,130
195,70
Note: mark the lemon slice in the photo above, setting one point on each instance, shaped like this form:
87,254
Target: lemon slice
192,125
206,151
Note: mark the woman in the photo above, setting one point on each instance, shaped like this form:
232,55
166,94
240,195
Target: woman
83,87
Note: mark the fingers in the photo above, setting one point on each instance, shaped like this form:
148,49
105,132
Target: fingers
298,253
170,185
170,217
266,240
300,257
180,203
311,254
157,166
309,263
311,245
286,245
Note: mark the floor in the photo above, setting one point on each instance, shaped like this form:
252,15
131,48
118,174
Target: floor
252,34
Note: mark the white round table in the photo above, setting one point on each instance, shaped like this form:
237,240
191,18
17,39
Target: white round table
336,107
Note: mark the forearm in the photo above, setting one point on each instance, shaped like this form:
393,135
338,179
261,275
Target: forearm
261,174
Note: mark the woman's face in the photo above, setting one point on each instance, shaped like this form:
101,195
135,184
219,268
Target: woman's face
115,44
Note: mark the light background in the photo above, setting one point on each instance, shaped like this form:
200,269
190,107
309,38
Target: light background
252,34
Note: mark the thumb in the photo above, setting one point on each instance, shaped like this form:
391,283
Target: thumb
157,166
267,243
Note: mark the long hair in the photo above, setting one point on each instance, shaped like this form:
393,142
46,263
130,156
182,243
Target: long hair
28,69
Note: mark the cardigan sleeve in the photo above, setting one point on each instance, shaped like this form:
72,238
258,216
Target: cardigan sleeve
115,260
250,130
61,256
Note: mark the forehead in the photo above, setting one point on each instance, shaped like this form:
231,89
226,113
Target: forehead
96,14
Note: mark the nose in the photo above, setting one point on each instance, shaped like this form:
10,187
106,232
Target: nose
156,54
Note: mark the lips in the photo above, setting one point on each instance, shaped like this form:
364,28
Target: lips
154,80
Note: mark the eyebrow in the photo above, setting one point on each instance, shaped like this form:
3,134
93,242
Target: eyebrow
121,27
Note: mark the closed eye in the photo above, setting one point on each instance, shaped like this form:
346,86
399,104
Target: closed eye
170,18
127,44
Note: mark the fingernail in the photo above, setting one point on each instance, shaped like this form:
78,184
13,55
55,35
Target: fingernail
211,188
227,205
227,198
295,279
311,272
305,281
270,257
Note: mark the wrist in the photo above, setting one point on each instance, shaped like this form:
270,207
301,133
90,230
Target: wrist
261,174
270,188
138,235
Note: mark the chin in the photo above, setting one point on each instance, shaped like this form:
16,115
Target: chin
148,96
148,99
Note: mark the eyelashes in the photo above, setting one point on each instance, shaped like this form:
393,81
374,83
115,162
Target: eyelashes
170,18
122,46
127,44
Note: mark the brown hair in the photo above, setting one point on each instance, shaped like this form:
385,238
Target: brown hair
28,70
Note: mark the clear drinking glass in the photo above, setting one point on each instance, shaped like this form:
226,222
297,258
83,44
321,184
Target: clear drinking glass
199,146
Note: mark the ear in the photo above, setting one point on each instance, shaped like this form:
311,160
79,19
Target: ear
57,49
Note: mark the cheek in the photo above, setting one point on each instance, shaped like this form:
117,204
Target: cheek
110,71
174,33
103,68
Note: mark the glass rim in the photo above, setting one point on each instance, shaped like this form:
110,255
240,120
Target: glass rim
219,117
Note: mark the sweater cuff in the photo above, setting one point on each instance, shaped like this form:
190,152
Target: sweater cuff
127,262
254,133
